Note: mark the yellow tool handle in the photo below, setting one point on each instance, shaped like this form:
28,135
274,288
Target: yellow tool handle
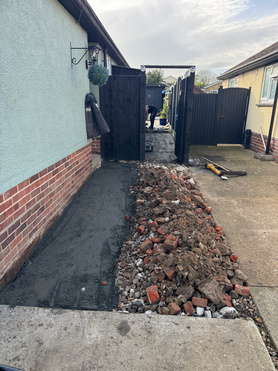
213,168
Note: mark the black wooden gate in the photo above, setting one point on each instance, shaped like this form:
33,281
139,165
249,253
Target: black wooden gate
122,103
220,118
182,116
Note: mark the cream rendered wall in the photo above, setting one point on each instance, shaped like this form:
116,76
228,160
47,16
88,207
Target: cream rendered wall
42,116
257,115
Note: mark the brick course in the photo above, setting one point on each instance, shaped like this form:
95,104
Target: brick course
28,209
257,145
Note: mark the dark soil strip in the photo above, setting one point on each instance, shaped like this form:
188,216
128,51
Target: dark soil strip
72,267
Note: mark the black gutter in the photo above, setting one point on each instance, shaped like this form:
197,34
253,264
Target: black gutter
272,121
249,67
86,17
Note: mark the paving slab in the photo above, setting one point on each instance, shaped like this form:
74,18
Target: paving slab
266,299
47,339
246,208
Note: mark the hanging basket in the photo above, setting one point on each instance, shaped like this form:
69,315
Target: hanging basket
98,75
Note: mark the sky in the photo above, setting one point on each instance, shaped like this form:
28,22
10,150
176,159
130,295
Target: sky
213,35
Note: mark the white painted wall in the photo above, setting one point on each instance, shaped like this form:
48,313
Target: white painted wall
42,116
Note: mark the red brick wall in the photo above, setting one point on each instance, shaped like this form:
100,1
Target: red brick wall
28,209
257,145
96,145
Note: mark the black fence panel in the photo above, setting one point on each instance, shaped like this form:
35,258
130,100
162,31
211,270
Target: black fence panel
204,119
183,119
122,103
220,118
231,126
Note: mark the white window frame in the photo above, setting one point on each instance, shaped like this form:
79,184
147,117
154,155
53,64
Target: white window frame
233,82
271,79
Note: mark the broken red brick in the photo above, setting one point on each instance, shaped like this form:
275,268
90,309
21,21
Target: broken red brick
198,201
126,217
170,272
207,211
155,240
242,290
173,308
162,230
152,294
149,252
141,229
146,260
233,258
218,228
104,283
199,302
188,308
171,243
152,225
227,299
146,245
228,303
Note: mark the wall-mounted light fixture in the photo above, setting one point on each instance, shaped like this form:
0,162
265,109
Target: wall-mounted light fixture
93,55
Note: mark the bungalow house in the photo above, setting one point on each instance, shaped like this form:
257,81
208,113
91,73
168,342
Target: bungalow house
213,87
260,73
45,154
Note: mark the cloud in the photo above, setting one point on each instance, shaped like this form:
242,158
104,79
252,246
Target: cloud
212,34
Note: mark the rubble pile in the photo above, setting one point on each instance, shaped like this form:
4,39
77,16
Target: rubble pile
176,260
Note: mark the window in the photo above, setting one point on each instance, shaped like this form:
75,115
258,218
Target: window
233,82
270,83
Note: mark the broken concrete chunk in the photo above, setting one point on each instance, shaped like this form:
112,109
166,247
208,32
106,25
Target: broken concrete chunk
210,288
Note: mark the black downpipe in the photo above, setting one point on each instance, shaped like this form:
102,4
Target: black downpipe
105,57
272,121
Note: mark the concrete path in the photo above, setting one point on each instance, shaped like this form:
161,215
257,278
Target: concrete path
37,339
246,207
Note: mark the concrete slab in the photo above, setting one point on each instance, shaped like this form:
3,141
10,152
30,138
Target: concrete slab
45,339
246,207
264,157
266,299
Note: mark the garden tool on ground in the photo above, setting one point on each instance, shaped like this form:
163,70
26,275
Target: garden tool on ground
216,168
223,171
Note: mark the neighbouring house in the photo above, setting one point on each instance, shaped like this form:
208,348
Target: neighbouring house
213,87
260,73
45,153
170,80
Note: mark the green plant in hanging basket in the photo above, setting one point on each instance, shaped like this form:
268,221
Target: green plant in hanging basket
98,75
